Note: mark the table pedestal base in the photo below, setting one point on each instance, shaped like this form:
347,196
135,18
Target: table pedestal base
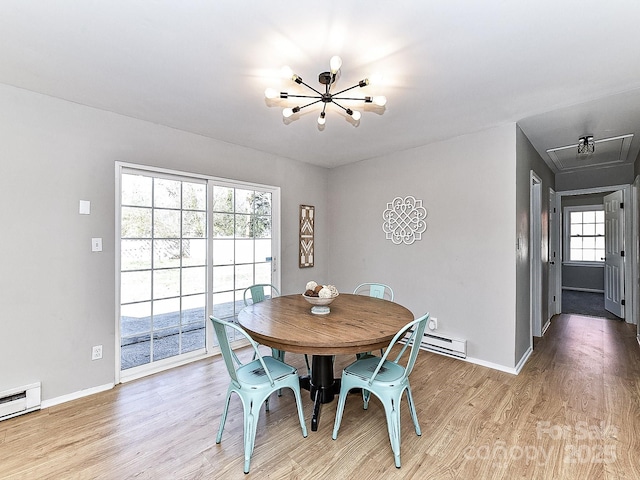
321,385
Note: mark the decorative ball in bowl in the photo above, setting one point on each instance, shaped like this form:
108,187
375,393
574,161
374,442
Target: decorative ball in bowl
320,298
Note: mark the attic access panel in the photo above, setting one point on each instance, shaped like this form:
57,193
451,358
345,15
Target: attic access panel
608,151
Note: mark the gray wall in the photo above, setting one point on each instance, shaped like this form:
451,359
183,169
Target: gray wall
463,270
576,180
579,277
527,160
58,298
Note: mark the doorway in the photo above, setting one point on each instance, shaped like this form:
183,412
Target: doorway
629,282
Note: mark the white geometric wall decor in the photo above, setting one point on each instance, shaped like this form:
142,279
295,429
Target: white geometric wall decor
404,220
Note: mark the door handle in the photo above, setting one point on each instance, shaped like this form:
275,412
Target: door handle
552,263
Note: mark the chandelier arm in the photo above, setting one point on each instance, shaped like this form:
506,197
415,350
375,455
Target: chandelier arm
309,104
347,89
303,96
336,103
349,98
310,87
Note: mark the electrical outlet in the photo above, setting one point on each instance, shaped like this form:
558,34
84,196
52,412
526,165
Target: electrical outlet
433,323
96,352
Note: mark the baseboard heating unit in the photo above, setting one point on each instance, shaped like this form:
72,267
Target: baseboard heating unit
17,401
444,345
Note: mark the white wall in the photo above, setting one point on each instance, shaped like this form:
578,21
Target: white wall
463,270
57,299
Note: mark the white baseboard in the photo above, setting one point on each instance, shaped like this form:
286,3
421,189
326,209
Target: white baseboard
494,366
524,359
74,396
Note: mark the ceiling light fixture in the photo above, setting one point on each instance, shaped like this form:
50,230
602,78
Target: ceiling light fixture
327,79
586,145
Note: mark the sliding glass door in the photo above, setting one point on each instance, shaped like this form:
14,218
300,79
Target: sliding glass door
189,246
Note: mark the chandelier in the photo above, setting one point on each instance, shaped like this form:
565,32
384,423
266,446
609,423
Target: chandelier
327,79
586,145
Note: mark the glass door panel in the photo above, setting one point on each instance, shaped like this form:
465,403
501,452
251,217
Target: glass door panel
242,245
163,258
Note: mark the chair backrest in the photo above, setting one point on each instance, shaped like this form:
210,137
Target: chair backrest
413,340
257,292
230,359
377,290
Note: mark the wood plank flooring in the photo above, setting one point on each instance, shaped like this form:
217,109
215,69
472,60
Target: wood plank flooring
572,413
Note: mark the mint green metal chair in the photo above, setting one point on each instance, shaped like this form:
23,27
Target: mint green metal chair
387,380
257,293
376,290
254,382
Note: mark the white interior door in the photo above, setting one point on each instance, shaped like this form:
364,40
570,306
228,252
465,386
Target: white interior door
535,255
614,253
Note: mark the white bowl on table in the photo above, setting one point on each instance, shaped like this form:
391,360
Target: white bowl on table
320,304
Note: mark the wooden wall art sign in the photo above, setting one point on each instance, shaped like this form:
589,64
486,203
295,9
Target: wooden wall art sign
307,219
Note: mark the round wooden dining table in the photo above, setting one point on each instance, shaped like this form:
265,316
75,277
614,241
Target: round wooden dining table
355,324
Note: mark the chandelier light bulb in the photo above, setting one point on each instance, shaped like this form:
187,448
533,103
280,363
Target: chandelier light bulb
356,115
287,112
380,100
287,72
271,93
335,63
375,79
321,119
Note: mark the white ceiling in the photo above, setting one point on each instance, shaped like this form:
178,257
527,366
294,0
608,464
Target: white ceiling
561,68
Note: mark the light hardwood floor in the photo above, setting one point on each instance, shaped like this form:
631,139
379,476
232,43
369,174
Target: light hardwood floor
572,413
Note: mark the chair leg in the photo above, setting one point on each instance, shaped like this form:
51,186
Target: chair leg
342,399
392,411
278,355
306,359
250,427
366,394
223,418
412,409
296,393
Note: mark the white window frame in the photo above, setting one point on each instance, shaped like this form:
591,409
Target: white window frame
566,235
